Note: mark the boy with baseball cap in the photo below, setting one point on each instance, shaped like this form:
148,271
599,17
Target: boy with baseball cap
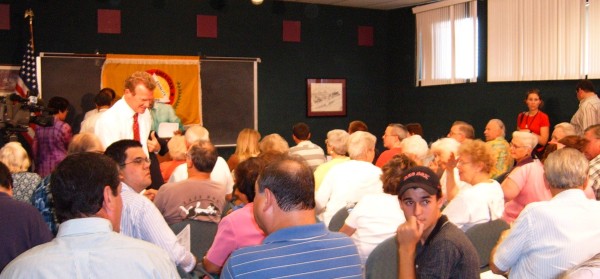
428,244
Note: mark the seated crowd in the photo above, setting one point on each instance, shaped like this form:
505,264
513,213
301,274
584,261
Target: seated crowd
104,202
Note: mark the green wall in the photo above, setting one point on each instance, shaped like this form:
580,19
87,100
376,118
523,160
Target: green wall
436,107
328,48
380,79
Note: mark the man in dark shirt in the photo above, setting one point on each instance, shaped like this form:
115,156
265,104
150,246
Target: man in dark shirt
22,225
429,246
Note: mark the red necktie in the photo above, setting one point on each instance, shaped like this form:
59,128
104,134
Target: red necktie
136,128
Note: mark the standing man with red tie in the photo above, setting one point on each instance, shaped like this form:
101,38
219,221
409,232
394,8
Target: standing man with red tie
129,118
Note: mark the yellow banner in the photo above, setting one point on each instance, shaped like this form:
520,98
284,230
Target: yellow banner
177,80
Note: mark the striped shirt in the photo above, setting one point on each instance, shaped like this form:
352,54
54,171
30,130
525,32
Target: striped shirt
552,236
312,153
309,251
141,219
587,115
594,176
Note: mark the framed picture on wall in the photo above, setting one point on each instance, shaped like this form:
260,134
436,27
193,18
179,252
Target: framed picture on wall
9,75
326,97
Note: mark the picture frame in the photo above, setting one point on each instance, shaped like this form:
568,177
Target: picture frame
326,97
9,75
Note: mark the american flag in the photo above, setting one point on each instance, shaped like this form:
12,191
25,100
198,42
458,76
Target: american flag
27,81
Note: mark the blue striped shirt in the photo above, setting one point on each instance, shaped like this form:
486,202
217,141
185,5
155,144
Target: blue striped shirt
141,219
309,251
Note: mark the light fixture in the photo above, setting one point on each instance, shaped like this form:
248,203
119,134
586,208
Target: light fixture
257,2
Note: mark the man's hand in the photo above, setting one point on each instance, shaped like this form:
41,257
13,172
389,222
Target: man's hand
153,145
409,233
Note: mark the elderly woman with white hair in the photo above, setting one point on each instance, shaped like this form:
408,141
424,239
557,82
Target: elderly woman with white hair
525,183
444,151
347,182
337,147
415,148
562,130
14,156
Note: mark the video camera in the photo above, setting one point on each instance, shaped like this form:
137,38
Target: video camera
17,112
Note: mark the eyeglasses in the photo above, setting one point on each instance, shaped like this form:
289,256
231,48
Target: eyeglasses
461,162
137,161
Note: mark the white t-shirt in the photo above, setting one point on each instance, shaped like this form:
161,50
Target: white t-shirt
220,174
375,218
476,204
346,183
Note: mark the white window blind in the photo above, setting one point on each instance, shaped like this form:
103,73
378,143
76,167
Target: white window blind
446,38
592,64
536,40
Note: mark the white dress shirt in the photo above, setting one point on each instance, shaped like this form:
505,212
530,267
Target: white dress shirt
550,237
88,248
141,219
117,124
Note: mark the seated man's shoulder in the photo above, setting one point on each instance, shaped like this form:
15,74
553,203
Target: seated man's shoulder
452,241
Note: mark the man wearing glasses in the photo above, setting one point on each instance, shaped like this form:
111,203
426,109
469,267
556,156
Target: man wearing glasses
140,218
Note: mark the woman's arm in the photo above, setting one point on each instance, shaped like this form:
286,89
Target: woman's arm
543,136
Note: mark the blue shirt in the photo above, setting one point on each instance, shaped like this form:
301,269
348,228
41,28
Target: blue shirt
88,248
309,251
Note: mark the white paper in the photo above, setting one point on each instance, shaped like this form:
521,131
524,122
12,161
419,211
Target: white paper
183,237
167,129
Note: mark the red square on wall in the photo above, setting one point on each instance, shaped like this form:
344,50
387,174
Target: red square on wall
206,26
4,16
365,35
109,21
291,31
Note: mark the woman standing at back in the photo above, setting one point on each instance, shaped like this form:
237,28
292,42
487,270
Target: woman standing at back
534,120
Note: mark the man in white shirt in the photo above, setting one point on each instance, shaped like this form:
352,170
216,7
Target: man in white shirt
117,123
141,219
220,172
103,100
87,198
550,237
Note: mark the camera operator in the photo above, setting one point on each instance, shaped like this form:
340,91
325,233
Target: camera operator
50,143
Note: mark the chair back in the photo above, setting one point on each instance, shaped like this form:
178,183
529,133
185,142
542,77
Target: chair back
338,220
202,235
382,263
484,237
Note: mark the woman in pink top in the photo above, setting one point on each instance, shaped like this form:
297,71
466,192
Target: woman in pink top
525,183
238,229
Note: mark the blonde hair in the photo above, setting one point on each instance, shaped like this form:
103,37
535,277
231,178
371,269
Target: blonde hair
85,142
247,144
14,156
273,143
177,147
479,152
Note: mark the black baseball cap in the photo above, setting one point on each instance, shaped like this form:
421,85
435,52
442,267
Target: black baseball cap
419,177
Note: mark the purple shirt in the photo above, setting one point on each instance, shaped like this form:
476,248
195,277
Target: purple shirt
22,228
50,146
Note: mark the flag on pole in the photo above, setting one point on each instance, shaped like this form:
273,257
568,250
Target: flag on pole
27,81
